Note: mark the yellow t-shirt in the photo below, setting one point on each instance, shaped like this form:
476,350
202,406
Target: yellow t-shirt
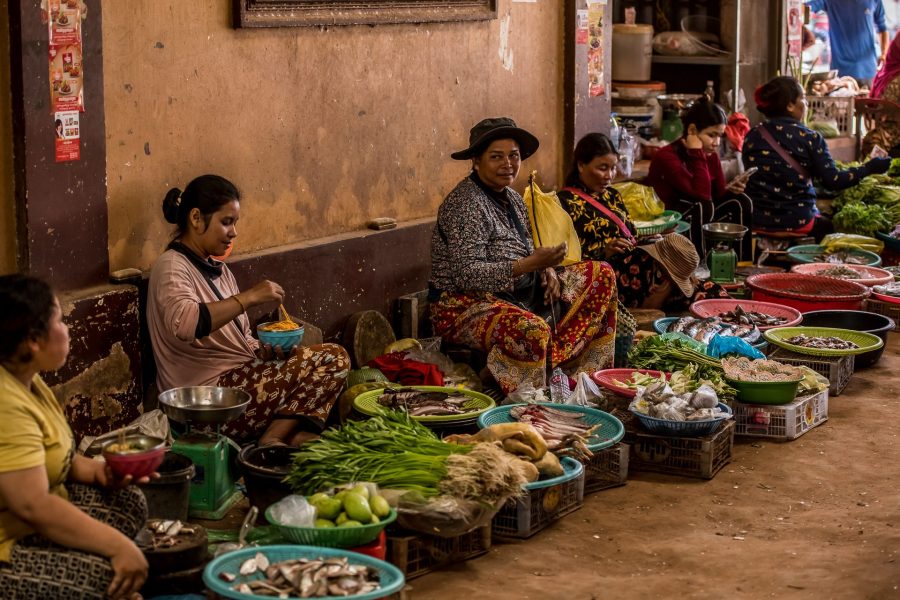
33,433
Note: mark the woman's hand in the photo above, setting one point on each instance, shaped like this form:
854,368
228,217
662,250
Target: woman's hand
737,185
129,570
269,352
94,472
540,259
262,293
617,246
692,142
550,281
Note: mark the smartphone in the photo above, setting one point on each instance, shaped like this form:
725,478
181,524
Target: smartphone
746,175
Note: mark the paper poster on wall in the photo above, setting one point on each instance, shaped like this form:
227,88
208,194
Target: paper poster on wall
581,27
64,21
68,135
794,28
596,78
66,78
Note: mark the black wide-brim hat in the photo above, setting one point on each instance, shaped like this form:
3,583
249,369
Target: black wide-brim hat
497,128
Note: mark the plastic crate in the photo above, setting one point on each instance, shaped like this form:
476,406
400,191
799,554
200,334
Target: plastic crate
525,516
781,422
607,468
832,108
888,309
416,554
700,457
838,369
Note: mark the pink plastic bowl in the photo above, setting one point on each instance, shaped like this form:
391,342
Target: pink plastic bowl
138,463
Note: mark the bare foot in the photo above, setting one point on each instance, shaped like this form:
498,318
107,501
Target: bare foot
278,433
302,437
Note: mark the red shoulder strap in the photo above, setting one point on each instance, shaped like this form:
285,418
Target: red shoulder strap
607,212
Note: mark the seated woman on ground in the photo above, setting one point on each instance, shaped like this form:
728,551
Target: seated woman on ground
66,524
790,156
201,333
687,175
648,275
490,288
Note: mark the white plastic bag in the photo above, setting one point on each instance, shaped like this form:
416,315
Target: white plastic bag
294,510
586,392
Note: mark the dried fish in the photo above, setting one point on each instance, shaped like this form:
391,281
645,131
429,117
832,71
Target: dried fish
174,528
334,576
419,403
227,577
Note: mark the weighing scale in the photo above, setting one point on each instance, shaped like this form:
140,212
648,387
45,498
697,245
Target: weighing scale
213,492
722,259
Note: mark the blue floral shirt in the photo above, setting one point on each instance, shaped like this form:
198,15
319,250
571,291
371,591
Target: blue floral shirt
783,199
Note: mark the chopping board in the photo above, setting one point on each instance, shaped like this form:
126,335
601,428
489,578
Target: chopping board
365,336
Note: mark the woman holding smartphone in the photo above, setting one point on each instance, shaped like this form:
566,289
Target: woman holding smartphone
687,175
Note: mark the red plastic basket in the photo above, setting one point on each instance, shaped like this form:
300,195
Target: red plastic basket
714,307
807,292
876,276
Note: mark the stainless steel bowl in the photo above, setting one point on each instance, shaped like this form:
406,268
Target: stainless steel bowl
723,232
203,404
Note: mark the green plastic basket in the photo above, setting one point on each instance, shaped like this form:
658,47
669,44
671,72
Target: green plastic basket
671,216
390,577
610,433
367,403
810,253
331,537
866,341
765,392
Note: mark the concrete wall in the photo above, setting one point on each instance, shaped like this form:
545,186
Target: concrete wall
7,204
321,128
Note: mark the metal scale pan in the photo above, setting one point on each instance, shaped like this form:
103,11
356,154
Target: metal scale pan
203,404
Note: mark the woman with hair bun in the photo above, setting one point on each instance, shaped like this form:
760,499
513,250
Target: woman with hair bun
790,156
201,334
687,175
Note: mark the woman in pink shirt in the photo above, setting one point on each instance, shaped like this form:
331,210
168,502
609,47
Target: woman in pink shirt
687,175
201,334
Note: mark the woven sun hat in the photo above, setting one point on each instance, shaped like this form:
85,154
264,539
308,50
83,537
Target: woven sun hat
677,255
497,128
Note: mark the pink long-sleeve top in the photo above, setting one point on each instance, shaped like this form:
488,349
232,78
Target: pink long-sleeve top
677,173
175,293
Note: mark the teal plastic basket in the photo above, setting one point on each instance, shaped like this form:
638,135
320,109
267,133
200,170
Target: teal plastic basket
610,433
572,469
681,428
390,577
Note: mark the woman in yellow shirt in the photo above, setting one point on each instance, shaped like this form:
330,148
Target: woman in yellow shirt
66,525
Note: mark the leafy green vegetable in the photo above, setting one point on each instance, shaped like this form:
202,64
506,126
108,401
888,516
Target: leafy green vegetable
672,355
864,219
894,170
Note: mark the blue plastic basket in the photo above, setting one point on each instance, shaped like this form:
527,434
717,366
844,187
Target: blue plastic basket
681,428
662,326
572,470
610,433
391,578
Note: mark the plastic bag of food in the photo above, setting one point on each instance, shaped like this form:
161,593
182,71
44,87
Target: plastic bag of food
294,510
641,201
586,392
443,516
847,241
551,225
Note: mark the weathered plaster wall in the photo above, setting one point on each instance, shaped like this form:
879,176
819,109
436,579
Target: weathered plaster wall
322,129
7,202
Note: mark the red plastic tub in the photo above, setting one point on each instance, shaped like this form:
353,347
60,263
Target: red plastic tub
807,292
375,549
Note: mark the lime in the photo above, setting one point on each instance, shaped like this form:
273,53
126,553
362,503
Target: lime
324,524
316,498
328,508
341,519
350,523
357,508
361,490
379,506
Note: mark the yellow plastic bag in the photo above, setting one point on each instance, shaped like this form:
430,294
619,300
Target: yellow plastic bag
847,241
641,201
551,225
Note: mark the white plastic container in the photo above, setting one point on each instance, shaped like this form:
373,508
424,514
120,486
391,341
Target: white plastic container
632,52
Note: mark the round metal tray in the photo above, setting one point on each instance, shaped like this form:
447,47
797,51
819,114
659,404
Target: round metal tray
203,404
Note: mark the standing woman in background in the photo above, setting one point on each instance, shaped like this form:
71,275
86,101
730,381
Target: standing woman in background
687,175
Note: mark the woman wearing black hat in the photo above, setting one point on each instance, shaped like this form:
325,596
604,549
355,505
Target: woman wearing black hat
492,290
